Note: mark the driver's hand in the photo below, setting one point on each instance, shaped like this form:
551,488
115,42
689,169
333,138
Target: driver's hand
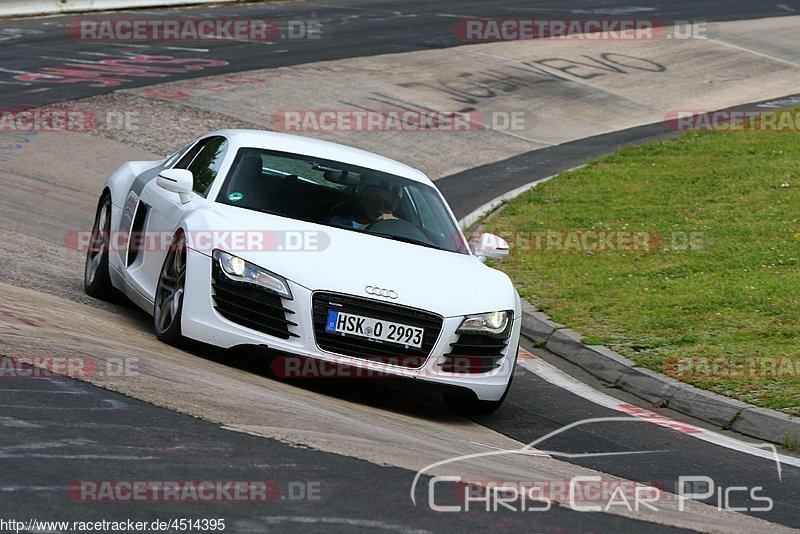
387,217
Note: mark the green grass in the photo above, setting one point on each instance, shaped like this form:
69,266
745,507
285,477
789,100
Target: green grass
734,294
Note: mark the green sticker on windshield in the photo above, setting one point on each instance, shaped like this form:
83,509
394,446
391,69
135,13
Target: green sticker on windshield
235,196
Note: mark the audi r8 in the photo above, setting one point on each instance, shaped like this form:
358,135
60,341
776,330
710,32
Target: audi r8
308,249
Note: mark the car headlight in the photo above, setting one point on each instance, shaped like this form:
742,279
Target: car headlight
493,324
241,270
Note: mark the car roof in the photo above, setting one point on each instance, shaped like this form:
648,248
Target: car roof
307,146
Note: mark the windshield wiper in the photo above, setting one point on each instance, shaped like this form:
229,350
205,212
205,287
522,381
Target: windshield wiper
407,240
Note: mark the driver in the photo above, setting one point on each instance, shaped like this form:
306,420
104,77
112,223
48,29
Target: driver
378,204
374,204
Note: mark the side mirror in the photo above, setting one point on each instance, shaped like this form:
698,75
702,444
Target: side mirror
491,246
179,181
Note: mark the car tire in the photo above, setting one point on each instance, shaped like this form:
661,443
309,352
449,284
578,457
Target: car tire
96,278
474,406
168,305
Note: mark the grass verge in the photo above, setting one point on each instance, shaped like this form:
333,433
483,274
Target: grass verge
682,255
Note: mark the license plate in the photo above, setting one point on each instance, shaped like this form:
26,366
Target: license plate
349,324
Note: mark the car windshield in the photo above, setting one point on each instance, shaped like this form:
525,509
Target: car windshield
341,195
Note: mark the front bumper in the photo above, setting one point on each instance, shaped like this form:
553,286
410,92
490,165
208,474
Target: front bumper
201,322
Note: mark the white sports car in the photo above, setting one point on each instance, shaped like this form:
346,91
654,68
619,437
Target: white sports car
309,250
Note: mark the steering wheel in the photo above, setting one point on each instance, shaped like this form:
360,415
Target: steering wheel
399,228
336,208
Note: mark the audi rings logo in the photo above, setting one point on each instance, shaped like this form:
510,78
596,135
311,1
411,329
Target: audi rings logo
378,292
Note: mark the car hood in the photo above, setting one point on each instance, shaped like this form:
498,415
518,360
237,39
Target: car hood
345,261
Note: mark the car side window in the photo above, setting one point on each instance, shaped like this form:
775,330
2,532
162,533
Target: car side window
204,160
189,155
171,160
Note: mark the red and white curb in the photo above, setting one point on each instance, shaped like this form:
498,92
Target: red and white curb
559,378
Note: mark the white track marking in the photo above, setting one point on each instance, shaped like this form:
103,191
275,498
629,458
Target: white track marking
561,379
186,48
132,45
612,10
36,446
108,404
749,51
46,391
13,422
496,448
11,489
6,456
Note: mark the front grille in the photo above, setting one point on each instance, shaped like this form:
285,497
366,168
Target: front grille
474,354
250,305
361,347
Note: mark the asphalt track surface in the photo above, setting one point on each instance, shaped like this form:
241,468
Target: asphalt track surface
59,430
349,29
56,430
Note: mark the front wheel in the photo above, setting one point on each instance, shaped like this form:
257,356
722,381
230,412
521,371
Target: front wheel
168,306
96,279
